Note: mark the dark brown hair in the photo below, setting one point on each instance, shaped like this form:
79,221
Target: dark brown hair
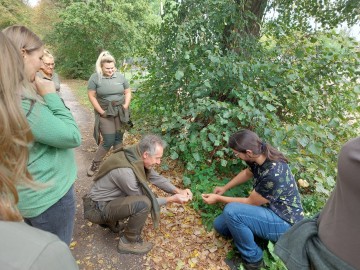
247,140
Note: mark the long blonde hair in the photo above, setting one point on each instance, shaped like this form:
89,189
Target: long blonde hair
14,129
25,39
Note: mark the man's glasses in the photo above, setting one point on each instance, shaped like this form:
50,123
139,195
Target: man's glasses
49,64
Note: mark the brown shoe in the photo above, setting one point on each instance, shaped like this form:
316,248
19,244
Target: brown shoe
93,168
137,247
115,226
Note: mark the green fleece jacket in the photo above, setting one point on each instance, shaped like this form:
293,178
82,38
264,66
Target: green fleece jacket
130,157
51,157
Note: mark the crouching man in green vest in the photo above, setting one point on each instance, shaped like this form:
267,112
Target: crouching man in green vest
121,199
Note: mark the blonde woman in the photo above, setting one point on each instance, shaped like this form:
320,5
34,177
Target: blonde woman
109,93
21,246
47,69
51,159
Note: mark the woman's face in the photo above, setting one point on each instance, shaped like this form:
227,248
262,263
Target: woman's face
33,62
108,69
48,65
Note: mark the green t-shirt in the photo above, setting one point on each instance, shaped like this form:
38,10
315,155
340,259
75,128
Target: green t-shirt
109,88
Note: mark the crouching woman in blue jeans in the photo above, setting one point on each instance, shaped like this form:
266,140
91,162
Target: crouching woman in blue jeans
273,205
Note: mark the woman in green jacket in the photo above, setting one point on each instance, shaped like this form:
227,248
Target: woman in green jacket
51,160
21,246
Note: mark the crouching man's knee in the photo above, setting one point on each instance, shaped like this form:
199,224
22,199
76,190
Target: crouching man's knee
142,205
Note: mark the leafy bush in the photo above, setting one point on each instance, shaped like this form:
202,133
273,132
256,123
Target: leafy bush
297,91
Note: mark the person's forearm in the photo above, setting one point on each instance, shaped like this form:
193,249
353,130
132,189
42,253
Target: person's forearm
165,200
96,104
127,98
241,178
161,182
177,191
162,201
53,124
253,199
225,199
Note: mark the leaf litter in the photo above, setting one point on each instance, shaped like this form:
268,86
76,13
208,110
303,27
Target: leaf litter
181,242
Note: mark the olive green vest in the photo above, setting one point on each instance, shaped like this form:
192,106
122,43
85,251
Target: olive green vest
130,157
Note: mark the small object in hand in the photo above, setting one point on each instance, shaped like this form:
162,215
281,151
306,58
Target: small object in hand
184,198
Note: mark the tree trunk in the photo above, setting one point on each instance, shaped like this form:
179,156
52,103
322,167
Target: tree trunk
251,13
256,7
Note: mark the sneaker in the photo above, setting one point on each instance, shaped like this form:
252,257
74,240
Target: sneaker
254,266
137,247
93,168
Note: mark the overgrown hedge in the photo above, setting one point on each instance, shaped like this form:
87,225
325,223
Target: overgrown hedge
297,91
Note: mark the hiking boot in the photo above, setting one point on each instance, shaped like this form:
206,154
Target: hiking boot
115,226
93,168
137,247
254,266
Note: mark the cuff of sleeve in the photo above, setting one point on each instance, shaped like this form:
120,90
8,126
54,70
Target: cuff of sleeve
161,201
52,97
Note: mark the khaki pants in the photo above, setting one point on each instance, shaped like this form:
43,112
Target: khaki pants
135,208
110,131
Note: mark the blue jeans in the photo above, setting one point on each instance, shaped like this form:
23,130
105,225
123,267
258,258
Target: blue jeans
59,218
243,221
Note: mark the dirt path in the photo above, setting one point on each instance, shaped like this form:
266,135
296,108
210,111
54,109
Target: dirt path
93,247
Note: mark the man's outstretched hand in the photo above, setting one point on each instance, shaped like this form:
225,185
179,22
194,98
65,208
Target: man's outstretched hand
182,196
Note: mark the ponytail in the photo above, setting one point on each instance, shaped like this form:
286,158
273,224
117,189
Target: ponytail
247,140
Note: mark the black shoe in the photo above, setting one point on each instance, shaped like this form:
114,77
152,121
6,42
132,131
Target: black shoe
254,266
93,168
233,263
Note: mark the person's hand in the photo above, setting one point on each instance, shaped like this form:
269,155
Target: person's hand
180,198
44,86
103,115
219,190
125,107
186,192
189,193
210,198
